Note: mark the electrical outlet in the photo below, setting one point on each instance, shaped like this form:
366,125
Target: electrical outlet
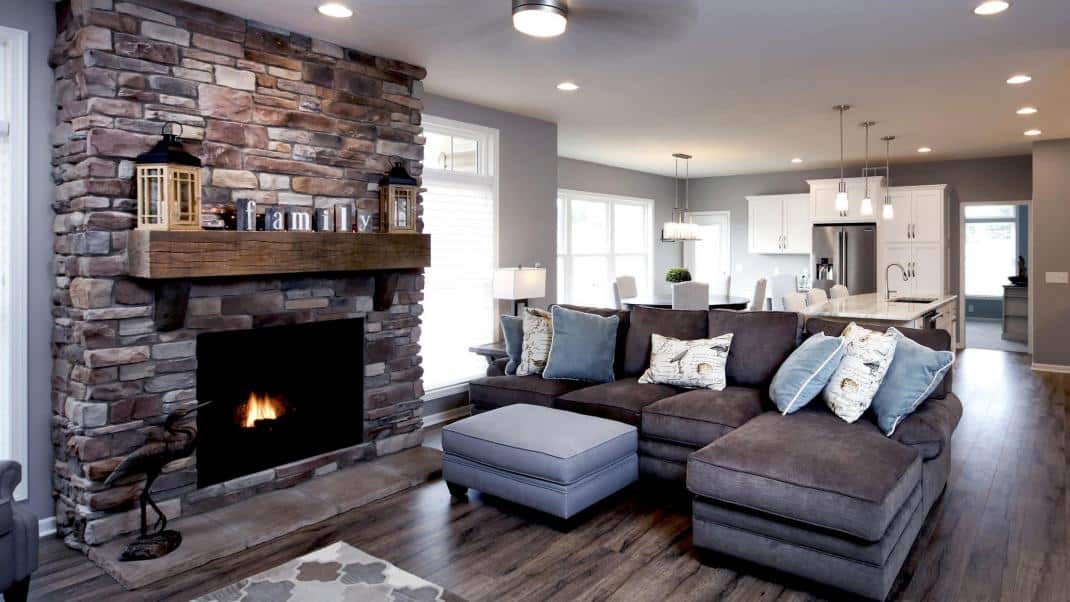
1056,278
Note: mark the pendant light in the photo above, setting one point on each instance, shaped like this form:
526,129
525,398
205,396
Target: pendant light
867,202
540,18
679,229
888,211
841,196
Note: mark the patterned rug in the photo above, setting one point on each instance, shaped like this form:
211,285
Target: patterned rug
337,572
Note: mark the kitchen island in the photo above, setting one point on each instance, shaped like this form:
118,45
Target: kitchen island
928,312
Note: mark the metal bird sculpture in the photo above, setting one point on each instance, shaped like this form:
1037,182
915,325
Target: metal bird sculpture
176,439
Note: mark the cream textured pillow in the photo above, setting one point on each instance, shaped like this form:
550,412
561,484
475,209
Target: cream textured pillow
691,364
860,373
538,334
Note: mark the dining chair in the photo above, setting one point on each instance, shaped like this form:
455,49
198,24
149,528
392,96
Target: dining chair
780,285
758,302
796,302
839,291
816,296
624,287
690,295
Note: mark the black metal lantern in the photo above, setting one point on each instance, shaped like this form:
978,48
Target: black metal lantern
398,192
168,186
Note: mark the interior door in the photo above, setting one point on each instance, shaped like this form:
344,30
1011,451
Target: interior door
708,258
797,224
766,216
928,273
927,209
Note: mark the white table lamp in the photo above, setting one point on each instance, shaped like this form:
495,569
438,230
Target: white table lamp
519,284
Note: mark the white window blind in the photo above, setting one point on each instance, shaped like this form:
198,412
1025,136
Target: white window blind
460,214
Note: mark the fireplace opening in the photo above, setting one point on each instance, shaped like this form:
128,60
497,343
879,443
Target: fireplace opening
280,394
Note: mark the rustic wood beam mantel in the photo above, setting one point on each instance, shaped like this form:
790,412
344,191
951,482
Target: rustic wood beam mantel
155,254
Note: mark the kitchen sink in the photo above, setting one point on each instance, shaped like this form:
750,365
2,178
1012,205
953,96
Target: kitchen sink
912,300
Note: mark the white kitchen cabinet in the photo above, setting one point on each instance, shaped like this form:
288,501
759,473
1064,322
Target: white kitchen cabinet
918,214
778,224
897,229
900,253
916,237
823,199
927,270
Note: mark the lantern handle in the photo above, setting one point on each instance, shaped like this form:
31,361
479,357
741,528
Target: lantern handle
169,123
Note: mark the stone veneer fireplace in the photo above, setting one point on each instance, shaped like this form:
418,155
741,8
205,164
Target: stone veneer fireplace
276,117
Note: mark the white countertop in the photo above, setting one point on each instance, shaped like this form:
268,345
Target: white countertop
872,306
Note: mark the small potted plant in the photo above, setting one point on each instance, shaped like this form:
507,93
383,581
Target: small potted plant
675,275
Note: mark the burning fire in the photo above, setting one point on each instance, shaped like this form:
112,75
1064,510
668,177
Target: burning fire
261,407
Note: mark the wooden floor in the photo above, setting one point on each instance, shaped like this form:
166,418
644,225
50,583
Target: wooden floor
999,533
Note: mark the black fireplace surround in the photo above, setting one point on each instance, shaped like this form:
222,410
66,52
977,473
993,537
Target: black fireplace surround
279,394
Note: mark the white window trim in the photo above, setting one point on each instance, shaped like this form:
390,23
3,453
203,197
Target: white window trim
17,55
489,155
567,194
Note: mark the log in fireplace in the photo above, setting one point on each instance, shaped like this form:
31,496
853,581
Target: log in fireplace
281,394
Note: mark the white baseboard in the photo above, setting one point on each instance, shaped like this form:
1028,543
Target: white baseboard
447,416
1056,368
46,527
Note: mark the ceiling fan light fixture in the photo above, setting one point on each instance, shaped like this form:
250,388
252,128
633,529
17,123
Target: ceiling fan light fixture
540,18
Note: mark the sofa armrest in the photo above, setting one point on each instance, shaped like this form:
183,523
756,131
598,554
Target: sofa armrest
10,477
497,367
931,426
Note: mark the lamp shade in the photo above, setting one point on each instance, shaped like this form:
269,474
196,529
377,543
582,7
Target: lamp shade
519,283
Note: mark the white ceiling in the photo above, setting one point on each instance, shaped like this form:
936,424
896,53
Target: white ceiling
743,85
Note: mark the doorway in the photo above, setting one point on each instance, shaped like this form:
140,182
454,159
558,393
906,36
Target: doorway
994,247
708,259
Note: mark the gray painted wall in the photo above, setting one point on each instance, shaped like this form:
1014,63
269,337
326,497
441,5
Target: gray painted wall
594,177
1051,252
994,179
38,18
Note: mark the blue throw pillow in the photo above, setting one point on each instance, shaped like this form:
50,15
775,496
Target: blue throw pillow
513,331
915,373
583,346
806,372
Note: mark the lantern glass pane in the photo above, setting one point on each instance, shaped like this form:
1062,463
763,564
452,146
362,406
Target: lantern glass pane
402,211
150,188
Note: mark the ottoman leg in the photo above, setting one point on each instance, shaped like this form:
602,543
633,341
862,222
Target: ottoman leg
457,490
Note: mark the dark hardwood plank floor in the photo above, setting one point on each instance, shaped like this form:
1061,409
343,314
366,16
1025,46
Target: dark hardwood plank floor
999,532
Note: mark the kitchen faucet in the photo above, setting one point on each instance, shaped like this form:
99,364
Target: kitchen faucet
887,285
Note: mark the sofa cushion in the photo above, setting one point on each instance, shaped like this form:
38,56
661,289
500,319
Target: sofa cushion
810,467
513,333
515,439
914,374
762,341
645,321
698,363
696,418
806,372
619,400
623,322
583,346
931,338
929,428
497,391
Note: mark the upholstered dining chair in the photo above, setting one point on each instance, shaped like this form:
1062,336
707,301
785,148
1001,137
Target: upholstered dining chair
624,287
796,302
779,286
758,302
816,296
18,537
690,295
839,291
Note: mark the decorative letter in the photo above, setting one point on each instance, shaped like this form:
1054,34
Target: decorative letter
246,215
323,220
300,221
273,220
342,223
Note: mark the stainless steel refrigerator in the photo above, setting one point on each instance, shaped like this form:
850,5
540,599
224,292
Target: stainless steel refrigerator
845,254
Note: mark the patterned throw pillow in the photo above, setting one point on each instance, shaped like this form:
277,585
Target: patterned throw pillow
690,364
538,334
860,373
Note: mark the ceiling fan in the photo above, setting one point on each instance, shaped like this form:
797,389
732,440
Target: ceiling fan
551,18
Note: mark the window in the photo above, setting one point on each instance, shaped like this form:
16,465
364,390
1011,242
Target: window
460,214
600,237
991,248
13,253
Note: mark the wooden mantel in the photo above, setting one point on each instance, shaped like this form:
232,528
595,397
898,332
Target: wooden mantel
156,254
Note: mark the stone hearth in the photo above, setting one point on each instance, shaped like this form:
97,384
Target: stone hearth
276,117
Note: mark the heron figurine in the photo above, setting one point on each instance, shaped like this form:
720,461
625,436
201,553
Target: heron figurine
176,439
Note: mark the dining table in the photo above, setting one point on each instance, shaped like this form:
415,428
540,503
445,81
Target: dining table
664,301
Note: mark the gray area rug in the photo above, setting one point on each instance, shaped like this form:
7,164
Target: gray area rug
336,572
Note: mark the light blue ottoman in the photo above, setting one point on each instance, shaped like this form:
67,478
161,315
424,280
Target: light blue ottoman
554,461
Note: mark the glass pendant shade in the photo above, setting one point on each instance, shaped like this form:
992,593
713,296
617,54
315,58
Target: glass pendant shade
888,212
841,201
679,231
867,206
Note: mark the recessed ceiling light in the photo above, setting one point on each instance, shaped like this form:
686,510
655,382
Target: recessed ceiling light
1027,111
991,7
925,149
540,18
567,87
335,9
1019,79
797,160
1032,132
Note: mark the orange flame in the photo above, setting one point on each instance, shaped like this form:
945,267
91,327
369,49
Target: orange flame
261,407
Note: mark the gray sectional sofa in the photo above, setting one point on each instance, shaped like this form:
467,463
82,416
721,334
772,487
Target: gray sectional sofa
808,493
